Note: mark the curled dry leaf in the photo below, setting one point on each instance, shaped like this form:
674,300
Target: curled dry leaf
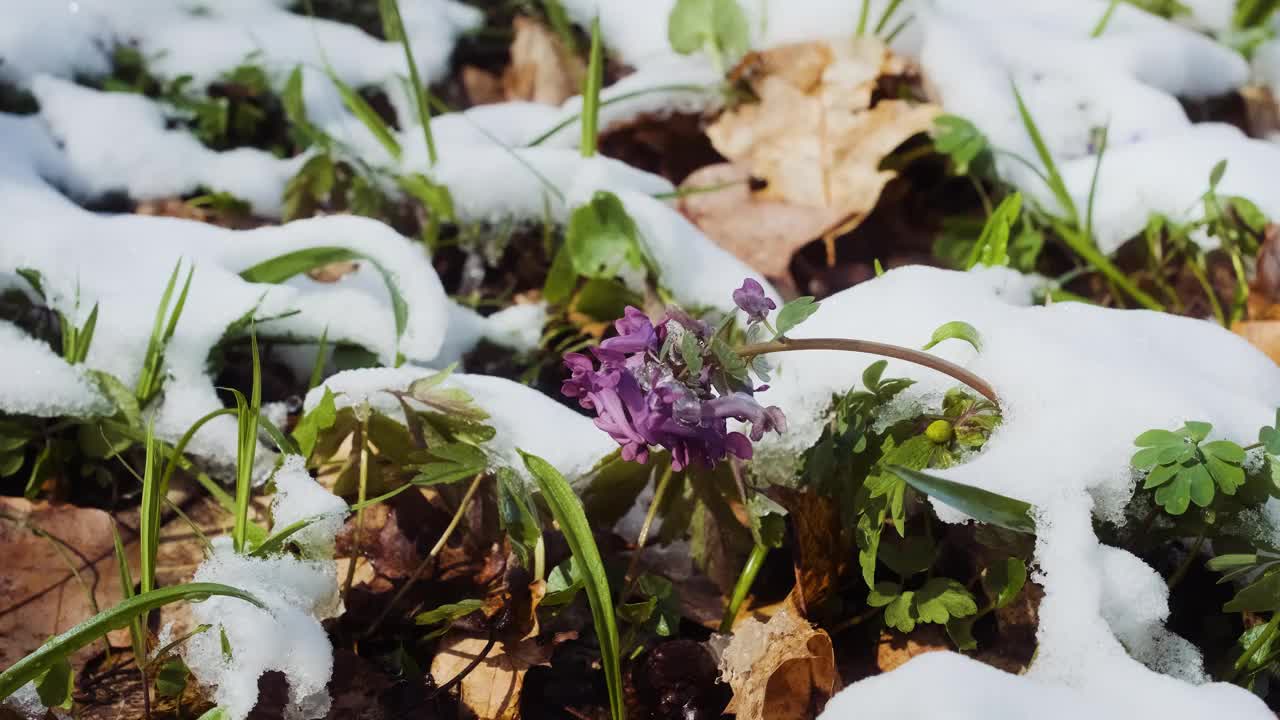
816,520
779,670
491,691
1262,329
542,69
815,135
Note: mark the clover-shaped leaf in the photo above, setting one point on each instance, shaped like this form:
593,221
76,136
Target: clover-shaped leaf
1183,471
1269,436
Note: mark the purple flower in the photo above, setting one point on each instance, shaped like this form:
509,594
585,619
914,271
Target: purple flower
645,398
750,298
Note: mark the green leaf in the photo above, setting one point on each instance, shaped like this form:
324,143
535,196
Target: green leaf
519,517
1197,431
981,505
1146,458
282,267
564,583
942,599
1160,475
171,681
1270,439
604,299
794,313
720,26
1159,438
448,612
1003,581
691,353
569,515
1262,595
883,593
602,238
992,247
1175,497
908,556
958,139
960,630
55,685
561,277
367,115
871,375
58,648
899,613
1227,476
455,462
320,418
957,330
216,713
1224,450
1200,483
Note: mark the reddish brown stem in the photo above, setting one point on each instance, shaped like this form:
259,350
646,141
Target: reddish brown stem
874,348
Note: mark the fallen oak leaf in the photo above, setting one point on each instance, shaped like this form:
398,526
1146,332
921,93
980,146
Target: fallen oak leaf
780,670
815,135
542,69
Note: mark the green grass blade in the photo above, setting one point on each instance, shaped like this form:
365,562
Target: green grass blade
1056,184
1093,187
1103,21
246,448
863,16
284,443
149,514
393,27
84,338
1090,254
149,378
887,15
176,455
283,267
559,21
616,99
568,512
118,617
322,357
591,87
178,306
367,115
136,635
981,505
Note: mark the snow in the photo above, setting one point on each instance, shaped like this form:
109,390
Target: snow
974,691
299,497
123,263
1076,384
49,387
523,418
286,636
119,142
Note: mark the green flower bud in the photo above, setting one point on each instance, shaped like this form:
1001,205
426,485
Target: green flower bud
939,431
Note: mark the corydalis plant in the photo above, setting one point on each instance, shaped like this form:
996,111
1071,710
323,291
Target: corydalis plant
673,385
676,384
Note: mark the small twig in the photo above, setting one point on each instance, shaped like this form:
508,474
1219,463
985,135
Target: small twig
874,348
435,550
475,662
659,492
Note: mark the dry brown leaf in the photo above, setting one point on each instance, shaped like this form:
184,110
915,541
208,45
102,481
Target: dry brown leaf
333,272
895,649
40,595
779,670
1263,334
542,69
482,87
491,691
762,232
815,136
1262,112
818,563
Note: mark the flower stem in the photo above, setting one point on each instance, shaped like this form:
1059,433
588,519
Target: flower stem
659,493
435,550
874,348
745,579
1263,638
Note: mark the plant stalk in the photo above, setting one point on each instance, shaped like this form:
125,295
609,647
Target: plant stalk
740,589
659,493
919,357
435,550
1263,638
